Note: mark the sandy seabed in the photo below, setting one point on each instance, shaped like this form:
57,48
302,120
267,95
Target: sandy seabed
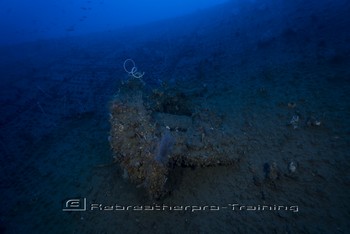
284,112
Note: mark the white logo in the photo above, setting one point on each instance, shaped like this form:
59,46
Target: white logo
74,205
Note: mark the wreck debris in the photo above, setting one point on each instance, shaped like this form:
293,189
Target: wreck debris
148,143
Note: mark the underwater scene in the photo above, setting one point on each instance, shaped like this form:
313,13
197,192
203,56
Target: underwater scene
175,116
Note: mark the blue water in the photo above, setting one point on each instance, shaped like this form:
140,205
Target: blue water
275,74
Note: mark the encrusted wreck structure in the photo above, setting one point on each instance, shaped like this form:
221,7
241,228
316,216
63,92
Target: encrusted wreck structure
154,131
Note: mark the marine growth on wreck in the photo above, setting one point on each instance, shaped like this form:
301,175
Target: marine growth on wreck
154,131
